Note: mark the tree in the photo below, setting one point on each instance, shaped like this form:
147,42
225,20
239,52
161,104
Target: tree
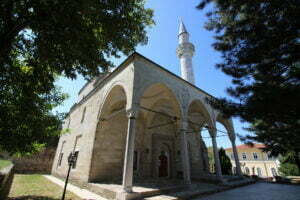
71,36
43,39
259,44
226,165
27,123
288,165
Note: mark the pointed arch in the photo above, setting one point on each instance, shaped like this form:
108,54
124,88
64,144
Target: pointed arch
116,88
157,93
227,123
110,135
199,112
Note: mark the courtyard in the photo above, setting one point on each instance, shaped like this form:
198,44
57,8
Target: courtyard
34,187
261,190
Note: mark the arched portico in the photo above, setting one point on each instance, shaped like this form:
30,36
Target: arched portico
138,116
198,119
228,124
160,107
110,136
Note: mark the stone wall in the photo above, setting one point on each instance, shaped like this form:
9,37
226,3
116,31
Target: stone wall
37,163
100,120
6,178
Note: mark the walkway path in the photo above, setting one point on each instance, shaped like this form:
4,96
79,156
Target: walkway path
263,191
82,193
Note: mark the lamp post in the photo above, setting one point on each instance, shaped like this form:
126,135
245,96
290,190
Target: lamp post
71,161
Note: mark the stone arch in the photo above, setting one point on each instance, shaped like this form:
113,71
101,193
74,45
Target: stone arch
116,85
162,112
198,118
159,97
143,93
227,123
197,106
110,137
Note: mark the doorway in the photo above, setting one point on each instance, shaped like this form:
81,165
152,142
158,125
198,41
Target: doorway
163,168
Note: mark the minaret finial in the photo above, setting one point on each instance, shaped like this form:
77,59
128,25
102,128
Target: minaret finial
185,52
182,28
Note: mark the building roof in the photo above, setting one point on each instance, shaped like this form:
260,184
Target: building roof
246,146
123,65
131,57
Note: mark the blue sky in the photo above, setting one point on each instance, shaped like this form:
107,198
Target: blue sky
161,48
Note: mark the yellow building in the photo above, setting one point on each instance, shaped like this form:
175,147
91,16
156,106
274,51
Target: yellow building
254,161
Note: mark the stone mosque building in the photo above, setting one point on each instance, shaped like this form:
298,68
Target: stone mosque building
142,121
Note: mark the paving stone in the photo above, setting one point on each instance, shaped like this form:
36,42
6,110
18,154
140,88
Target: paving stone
263,191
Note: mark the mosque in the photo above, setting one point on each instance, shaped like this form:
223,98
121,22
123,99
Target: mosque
142,121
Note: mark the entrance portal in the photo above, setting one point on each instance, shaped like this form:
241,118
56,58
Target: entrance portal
163,165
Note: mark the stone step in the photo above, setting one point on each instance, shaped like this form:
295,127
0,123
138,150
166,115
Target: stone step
188,194
103,192
239,183
234,178
199,190
161,191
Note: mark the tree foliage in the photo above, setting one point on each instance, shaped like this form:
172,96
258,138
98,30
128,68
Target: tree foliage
26,122
259,43
226,165
42,39
288,165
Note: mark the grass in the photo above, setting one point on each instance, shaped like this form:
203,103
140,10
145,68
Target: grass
4,163
36,187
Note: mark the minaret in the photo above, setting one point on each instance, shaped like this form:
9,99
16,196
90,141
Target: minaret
185,52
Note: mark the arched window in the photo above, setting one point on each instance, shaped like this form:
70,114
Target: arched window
259,172
83,114
255,156
61,154
274,173
244,156
76,149
69,121
247,171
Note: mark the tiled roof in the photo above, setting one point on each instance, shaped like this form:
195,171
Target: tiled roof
245,146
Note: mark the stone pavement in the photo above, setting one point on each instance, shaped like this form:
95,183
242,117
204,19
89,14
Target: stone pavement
258,191
82,193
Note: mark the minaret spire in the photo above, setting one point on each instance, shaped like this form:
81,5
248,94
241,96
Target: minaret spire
182,28
185,52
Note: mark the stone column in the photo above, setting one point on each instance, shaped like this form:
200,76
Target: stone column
129,152
216,156
185,160
236,157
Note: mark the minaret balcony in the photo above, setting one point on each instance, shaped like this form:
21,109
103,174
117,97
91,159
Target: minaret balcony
185,49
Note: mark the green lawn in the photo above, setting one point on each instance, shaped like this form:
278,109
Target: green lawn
4,163
36,187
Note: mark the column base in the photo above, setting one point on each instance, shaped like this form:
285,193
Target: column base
123,195
127,190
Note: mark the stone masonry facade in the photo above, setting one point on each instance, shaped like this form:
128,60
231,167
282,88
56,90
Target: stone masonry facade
139,121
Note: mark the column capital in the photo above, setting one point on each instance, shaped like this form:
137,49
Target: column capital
132,112
213,132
